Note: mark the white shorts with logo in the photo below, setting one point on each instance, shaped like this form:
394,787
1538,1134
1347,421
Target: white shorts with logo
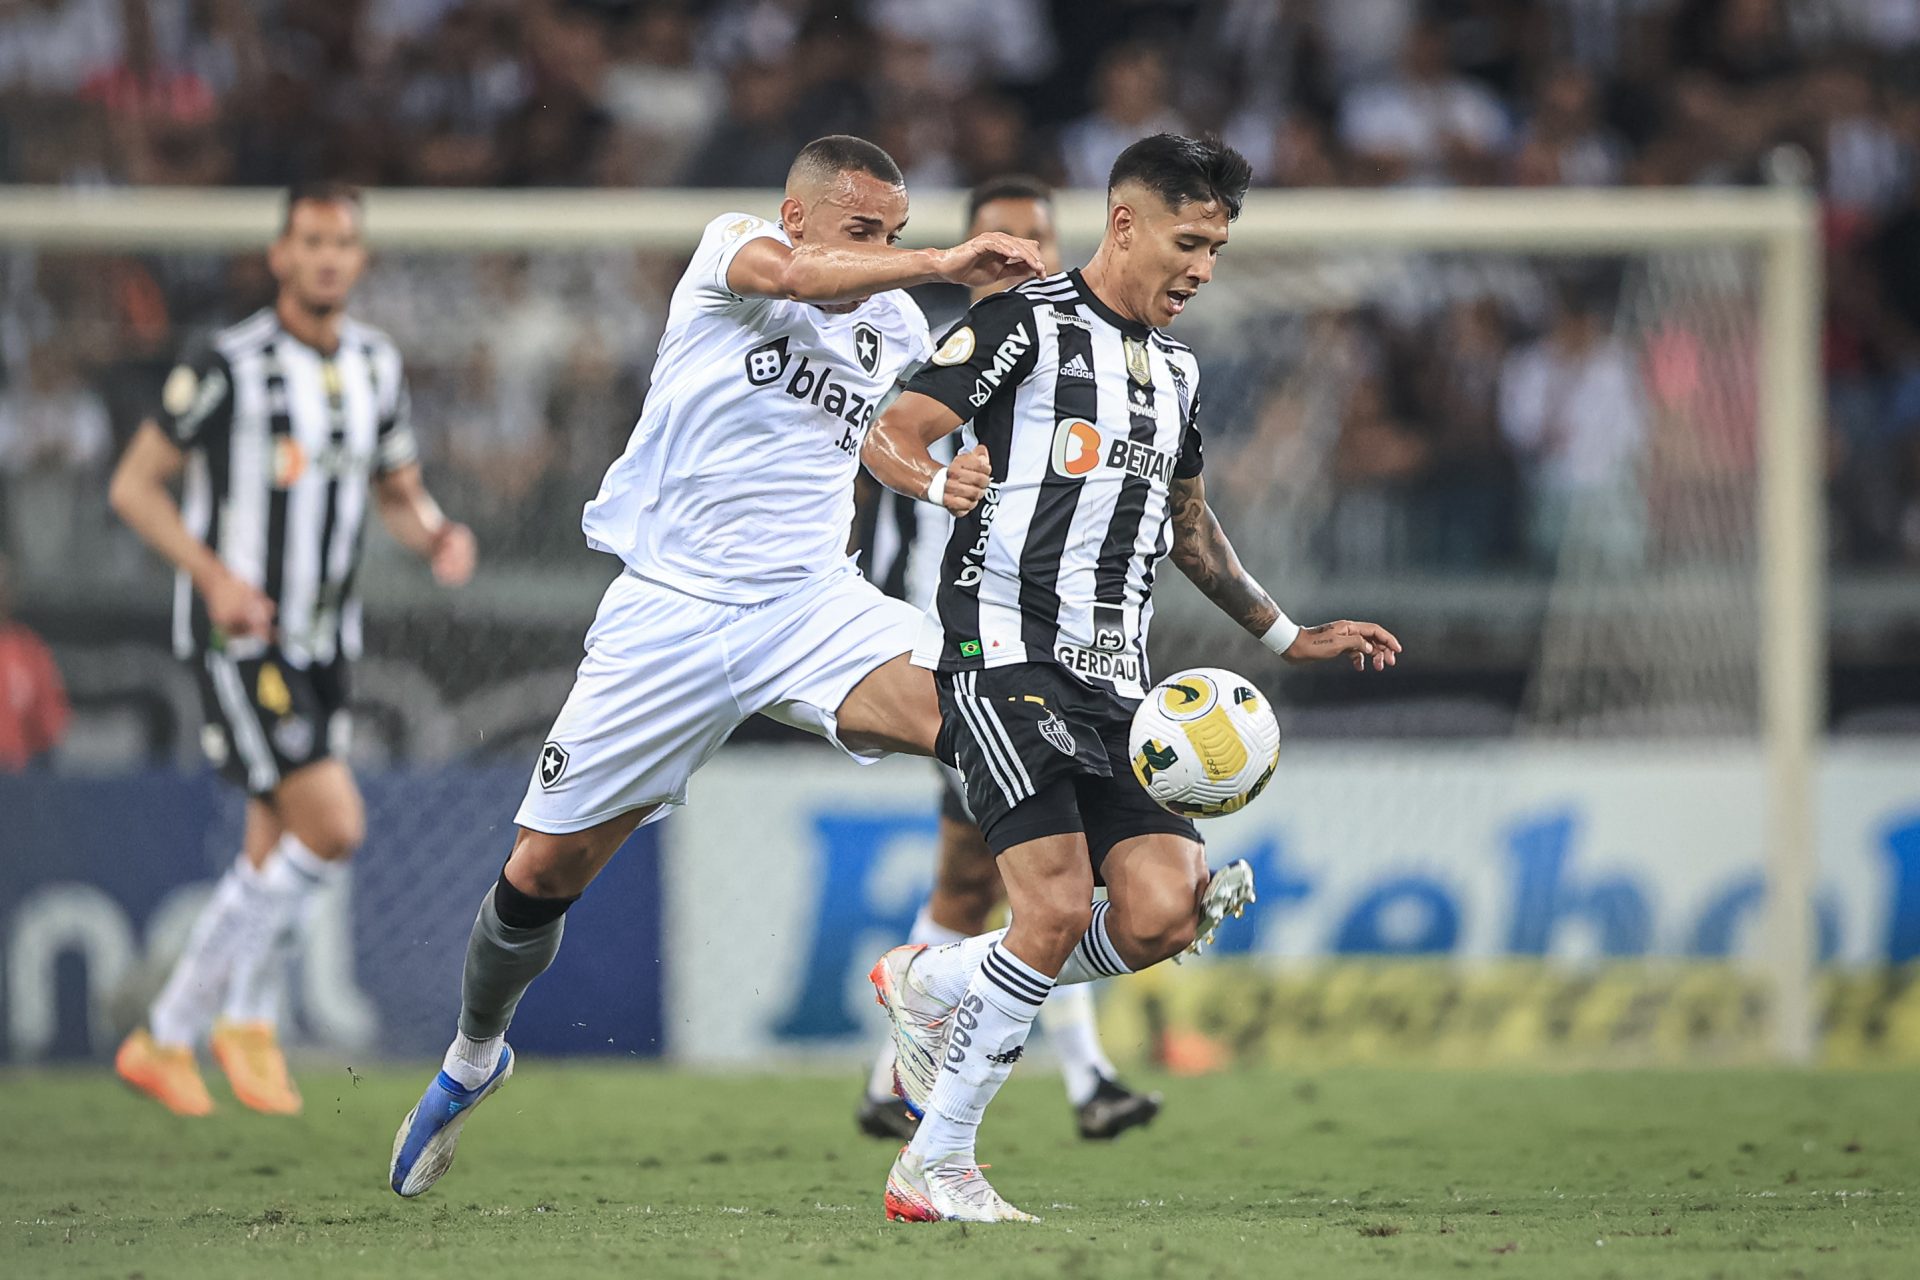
669,676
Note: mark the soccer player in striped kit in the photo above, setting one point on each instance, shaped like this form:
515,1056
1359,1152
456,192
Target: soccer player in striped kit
902,541
1084,417
287,430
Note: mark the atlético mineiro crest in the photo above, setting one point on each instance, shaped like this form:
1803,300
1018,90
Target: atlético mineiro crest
553,765
866,346
1058,736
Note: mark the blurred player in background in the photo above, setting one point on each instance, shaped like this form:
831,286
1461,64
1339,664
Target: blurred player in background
903,540
729,510
33,698
1088,415
286,430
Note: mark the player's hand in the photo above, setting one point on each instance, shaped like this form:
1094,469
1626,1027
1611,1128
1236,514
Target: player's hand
993,258
238,609
967,479
454,554
1361,642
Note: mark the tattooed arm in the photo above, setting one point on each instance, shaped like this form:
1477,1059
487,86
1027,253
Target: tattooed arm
1201,549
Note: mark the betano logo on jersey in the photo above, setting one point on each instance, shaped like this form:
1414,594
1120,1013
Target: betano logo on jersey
1078,449
767,364
336,461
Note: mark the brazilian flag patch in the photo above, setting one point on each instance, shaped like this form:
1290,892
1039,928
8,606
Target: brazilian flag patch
969,648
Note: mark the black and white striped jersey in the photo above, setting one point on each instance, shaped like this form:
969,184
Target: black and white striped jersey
901,539
1088,418
282,442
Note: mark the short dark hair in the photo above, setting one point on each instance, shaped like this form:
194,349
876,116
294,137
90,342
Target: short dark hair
324,192
843,153
1180,169
1011,186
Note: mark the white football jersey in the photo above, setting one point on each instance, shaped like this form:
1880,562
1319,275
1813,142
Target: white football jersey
737,484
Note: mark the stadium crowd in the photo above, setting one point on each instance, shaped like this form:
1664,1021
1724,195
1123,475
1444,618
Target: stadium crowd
1463,432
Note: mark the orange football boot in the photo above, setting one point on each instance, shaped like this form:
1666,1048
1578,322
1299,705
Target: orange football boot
249,1052
169,1076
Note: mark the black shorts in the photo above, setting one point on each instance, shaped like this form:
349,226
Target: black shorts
953,796
1042,755
267,718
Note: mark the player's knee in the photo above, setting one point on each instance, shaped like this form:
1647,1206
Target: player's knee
1057,923
968,889
338,838
1158,927
1166,936
961,907
549,866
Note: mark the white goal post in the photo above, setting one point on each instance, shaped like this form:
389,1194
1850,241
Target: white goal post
1777,225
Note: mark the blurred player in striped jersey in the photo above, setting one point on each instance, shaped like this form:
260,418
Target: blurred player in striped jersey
902,540
287,429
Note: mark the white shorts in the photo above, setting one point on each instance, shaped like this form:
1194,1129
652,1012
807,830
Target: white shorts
668,677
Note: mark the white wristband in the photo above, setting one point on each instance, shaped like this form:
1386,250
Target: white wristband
1280,636
937,488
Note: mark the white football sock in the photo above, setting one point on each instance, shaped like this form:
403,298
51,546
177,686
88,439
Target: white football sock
989,1027
1068,1020
944,972
470,1061
880,1081
183,1011
1095,957
290,883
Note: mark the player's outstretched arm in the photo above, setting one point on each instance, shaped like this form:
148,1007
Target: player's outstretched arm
140,495
417,523
825,274
896,452
1201,549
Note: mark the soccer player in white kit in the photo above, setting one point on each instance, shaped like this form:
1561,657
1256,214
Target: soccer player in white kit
730,510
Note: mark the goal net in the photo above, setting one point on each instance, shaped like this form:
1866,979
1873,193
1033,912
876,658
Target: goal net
1563,444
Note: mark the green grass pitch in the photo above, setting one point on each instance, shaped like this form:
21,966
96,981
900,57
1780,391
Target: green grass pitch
586,1171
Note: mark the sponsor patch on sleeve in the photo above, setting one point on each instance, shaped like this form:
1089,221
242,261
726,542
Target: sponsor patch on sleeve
176,397
958,348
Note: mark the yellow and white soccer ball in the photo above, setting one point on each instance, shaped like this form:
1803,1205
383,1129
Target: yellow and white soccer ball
1204,742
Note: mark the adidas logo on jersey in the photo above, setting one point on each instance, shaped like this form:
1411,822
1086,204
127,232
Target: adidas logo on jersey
1077,368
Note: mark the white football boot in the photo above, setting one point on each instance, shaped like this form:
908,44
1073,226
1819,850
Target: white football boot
944,1191
1229,893
919,1026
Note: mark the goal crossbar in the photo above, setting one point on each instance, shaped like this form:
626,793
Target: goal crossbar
1779,224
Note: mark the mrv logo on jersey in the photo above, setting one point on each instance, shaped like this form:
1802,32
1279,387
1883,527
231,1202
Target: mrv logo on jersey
767,365
1008,354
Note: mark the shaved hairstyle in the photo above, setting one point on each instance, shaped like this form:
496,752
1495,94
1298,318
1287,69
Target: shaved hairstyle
824,159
